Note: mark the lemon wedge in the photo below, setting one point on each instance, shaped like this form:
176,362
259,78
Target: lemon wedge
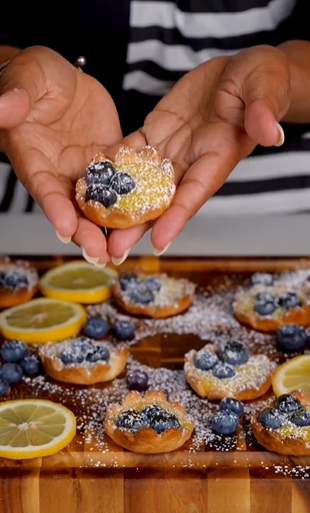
42,320
78,282
31,428
292,375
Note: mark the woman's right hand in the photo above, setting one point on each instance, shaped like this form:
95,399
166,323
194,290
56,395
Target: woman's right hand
53,120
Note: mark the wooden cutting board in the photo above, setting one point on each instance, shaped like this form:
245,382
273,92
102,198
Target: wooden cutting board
207,475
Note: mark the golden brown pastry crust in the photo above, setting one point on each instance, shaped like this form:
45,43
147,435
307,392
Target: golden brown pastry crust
84,373
177,298
272,441
243,309
15,296
252,379
153,194
146,440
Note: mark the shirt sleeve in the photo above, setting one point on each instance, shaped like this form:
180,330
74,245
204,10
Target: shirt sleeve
297,25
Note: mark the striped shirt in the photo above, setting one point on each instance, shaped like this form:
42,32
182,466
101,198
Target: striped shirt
166,39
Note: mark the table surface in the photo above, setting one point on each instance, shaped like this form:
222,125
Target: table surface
213,475
32,234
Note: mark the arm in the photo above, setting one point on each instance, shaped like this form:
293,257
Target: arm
298,55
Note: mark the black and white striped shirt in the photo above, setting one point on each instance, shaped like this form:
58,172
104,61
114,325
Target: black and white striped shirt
166,39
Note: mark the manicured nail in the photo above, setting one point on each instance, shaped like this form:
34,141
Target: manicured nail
100,266
119,261
89,259
65,240
158,252
281,135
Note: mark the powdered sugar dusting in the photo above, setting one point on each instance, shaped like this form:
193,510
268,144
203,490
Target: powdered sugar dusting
19,269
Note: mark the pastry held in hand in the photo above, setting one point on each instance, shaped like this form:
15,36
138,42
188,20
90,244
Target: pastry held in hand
137,187
268,308
83,361
149,424
18,282
284,425
228,372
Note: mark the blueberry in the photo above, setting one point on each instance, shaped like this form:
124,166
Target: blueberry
262,279
132,420
225,422
301,417
123,330
232,404
137,380
151,410
83,345
31,365
96,328
142,295
164,420
13,350
287,403
234,353
205,360
271,418
288,300
123,183
152,283
101,193
223,370
264,304
71,356
100,172
15,279
99,353
291,337
4,387
128,281
12,373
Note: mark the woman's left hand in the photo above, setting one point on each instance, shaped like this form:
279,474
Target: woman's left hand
212,118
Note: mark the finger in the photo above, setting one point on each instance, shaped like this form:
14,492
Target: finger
120,242
201,181
259,78
261,124
32,74
15,106
91,239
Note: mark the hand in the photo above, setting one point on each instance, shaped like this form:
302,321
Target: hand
53,120
212,118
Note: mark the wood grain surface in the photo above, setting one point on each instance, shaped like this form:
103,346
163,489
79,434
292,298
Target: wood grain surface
83,479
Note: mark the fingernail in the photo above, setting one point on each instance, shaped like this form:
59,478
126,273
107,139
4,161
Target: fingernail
65,240
89,259
158,252
99,266
119,261
281,135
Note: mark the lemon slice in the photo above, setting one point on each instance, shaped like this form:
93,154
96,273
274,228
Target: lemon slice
78,282
31,428
292,375
42,320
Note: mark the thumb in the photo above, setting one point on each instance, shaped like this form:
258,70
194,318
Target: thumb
266,94
256,86
21,85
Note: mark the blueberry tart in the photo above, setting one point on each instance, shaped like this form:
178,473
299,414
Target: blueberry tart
284,425
268,308
137,187
149,424
83,361
18,282
153,295
228,372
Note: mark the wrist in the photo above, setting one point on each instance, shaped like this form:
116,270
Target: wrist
298,57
